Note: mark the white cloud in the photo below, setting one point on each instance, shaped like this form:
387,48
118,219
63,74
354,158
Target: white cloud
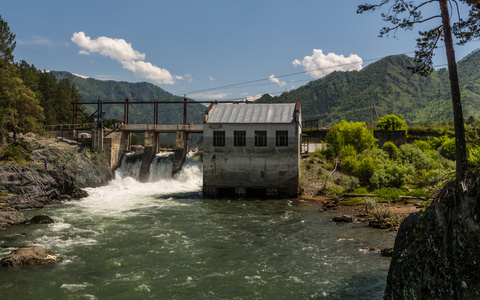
319,65
211,78
146,70
123,52
276,80
117,49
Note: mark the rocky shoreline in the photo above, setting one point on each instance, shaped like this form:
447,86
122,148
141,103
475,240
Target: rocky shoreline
32,185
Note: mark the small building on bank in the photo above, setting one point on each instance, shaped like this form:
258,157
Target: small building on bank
252,150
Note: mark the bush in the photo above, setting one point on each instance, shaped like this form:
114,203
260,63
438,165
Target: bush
17,152
347,150
392,122
350,133
391,175
409,153
474,157
365,170
348,182
349,165
447,149
391,149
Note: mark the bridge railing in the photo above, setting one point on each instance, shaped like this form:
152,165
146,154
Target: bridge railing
61,127
170,128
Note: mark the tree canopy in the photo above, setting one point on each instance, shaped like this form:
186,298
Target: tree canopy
405,14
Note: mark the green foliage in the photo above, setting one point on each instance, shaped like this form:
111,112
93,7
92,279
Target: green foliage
391,149
474,157
392,122
391,174
389,193
18,152
349,183
411,154
135,140
334,191
366,168
447,149
347,150
55,96
355,134
349,165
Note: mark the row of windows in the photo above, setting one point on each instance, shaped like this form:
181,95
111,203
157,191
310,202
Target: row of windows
240,138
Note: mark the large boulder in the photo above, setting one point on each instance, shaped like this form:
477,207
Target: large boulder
437,252
29,255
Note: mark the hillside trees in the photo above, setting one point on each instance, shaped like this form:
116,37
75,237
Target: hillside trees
19,108
55,97
405,15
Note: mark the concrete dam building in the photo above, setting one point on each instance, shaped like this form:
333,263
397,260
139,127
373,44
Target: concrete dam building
252,150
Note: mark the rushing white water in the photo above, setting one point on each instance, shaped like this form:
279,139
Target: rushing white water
162,240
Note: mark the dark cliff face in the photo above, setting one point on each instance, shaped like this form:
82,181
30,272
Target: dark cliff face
437,253
70,166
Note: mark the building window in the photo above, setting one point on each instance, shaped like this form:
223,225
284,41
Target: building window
219,138
282,138
239,138
260,138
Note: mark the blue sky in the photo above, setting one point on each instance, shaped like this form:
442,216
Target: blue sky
205,49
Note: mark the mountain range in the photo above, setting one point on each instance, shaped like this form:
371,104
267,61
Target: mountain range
386,86
92,90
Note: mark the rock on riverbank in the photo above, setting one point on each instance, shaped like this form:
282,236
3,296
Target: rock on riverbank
30,185
437,253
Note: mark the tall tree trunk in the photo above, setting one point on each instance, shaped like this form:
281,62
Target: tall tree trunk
460,144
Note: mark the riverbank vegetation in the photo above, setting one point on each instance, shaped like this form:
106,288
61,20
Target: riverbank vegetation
353,166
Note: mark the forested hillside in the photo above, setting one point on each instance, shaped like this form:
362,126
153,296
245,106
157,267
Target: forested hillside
392,88
108,90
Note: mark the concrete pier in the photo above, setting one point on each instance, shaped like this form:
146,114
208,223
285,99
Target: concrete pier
152,145
182,145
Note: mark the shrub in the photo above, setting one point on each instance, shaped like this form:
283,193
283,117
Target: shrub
391,175
423,145
348,182
17,152
365,170
350,133
447,149
474,157
409,153
391,149
392,122
349,165
347,150
377,154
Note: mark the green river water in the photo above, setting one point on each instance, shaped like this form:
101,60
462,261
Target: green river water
162,240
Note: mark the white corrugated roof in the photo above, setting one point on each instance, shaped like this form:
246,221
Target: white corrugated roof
252,113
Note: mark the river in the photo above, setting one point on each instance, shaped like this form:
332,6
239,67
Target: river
162,240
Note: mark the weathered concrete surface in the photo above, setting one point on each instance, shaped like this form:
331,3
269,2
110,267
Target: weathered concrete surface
151,148
263,171
29,255
437,253
181,150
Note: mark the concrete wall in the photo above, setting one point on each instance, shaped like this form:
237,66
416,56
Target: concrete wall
115,145
398,137
271,170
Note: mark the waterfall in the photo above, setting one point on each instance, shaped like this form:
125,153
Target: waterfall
160,167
